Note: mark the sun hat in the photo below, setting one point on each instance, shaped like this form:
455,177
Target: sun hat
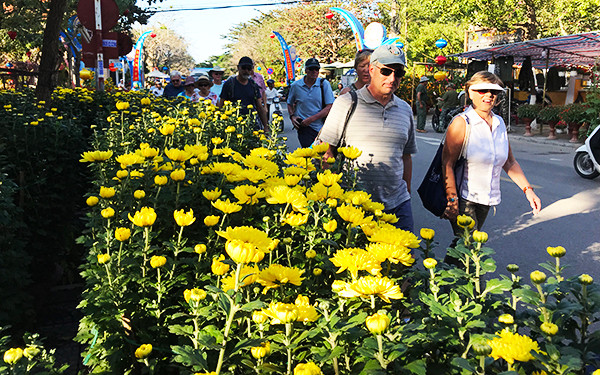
216,69
189,81
424,79
486,86
203,77
388,54
312,63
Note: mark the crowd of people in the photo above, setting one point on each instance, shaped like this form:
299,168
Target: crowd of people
369,116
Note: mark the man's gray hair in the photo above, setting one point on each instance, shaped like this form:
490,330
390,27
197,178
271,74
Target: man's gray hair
175,73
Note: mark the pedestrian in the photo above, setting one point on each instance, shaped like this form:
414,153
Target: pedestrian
361,66
422,104
189,91
309,102
487,153
449,102
157,89
216,75
260,81
383,128
271,93
174,87
204,86
242,87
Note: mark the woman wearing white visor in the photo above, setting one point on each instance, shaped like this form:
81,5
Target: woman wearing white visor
487,153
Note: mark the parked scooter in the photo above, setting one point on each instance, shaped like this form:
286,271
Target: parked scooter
587,157
277,108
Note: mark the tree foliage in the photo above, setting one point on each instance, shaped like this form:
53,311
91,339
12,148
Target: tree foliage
166,49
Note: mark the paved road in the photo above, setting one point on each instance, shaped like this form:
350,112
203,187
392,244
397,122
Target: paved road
571,206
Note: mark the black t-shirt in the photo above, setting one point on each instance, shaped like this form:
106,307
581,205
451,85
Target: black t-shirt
247,93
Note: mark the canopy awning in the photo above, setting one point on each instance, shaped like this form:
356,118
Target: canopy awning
576,49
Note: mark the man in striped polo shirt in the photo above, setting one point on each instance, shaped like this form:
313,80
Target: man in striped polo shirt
382,127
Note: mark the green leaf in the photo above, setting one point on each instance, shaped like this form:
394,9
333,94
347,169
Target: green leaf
189,357
418,367
254,305
496,286
372,367
245,343
180,330
464,364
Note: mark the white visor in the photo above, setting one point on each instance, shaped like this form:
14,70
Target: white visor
486,86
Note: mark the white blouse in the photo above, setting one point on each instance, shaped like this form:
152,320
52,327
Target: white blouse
486,153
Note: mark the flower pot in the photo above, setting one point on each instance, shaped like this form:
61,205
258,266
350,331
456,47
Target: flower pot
527,122
574,131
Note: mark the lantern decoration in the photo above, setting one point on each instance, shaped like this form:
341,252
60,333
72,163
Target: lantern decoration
153,35
329,15
269,71
111,67
85,74
440,60
440,75
258,68
12,34
272,36
441,43
28,53
9,65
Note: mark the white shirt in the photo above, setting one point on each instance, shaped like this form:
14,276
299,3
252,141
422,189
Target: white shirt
486,153
217,88
271,94
156,91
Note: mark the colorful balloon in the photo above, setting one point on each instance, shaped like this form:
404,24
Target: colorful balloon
441,43
440,75
440,60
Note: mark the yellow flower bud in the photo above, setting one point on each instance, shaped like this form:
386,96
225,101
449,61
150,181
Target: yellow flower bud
219,268
307,369
160,180
143,351
429,263
549,328
107,192
13,355
139,194
211,220
240,251
537,277
200,248
557,252
261,351
317,271
92,201
585,279
480,237
512,268
107,213
122,234
330,226
465,221
506,319
184,219
157,261
103,258
427,234
310,254
145,101
195,295
121,173
377,323
178,175
31,351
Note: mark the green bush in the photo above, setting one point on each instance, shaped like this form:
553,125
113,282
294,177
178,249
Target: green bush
550,114
528,111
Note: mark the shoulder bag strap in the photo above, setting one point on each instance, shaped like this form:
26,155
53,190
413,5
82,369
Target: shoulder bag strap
322,94
463,149
342,141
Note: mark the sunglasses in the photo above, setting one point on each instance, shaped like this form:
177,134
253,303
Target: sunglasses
203,85
246,67
312,69
398,73
485,91
174,80
217,73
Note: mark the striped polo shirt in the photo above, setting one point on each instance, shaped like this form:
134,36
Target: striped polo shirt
383,134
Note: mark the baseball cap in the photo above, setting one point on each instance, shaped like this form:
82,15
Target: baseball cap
246,61
388,54
312,62
189,81
424,79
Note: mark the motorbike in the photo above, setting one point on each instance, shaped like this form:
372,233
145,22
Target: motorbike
277,108
587,157
437,123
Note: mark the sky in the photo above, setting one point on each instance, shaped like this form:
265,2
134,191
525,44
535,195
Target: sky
204,29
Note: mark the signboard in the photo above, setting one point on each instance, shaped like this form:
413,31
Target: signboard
486,38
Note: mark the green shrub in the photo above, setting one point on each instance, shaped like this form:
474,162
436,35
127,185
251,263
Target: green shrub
528,111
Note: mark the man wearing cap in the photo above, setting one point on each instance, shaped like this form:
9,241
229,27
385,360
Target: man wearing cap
309,102
157,89
243,88
174,87
422,104
449,101
382,127
216,74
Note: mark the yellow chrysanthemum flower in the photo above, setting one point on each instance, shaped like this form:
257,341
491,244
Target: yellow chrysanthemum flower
295,220
219,268
212,195
427,234
94,156
269,167
184,219
307,369
357,198
394,253
321,148
148,152
107,192
295,171
122,234
211,220
281,313
108,212
167,129
512,347
92,201
371,285
226,206
248,194
354,260
245,243
103,258
377,323
196,150
178,175
320,192
157,261
304,153
465,221
129,159
161,180
177,155
350,152
145,217
285,195
194,295
396,236
306,312
261,351
330,226
276,275
248,275
328,179
353,215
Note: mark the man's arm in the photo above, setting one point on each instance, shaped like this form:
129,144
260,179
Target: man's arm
262,113
322,113
407,175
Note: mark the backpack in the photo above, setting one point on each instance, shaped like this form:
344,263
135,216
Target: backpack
231,92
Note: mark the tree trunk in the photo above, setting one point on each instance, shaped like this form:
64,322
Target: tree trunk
50,50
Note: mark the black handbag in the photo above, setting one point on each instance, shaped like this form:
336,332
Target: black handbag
433,189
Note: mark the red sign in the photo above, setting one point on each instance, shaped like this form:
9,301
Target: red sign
113,45
86,14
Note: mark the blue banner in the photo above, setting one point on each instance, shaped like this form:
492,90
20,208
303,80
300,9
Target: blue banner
287,58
